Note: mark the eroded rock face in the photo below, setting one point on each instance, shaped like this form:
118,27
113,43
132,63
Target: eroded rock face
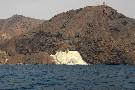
68,58
34,58
3,57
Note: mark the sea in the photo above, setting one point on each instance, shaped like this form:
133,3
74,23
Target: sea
67,77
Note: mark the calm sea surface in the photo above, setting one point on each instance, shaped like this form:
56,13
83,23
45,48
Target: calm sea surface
62,77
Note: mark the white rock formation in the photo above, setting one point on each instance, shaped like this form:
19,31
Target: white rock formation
68,58
3,57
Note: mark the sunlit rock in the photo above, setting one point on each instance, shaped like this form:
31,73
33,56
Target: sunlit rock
69,58
3,57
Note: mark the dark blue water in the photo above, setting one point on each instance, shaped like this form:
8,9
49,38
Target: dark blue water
62,77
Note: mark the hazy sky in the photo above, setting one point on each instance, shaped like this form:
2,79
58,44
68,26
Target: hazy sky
45,9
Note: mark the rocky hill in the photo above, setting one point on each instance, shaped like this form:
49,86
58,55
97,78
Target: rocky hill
99,33
16,26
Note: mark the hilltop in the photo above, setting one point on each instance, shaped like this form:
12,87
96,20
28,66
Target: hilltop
16,26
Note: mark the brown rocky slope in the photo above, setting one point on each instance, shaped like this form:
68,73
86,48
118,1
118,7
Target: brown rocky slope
99,33
15,26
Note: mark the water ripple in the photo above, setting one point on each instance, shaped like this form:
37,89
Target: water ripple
62,77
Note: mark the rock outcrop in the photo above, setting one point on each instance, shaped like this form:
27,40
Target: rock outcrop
35,58
68,58
3,57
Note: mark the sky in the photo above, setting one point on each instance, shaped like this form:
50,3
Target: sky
45,9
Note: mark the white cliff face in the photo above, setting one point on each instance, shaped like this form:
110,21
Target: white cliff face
69,58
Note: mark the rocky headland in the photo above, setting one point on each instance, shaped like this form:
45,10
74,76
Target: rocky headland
99,33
